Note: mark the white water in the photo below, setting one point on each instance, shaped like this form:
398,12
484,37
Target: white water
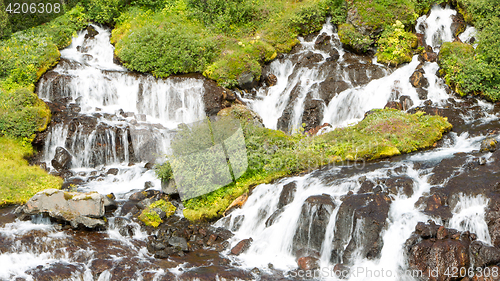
273,244
102,86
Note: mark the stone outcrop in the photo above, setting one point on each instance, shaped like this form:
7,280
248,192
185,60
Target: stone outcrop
78,209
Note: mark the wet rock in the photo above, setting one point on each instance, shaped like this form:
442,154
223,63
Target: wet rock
309,59
241,247
169,187
308,263
91,32
362,73
400,185
489,144
314,131
313,221
85,209
179,243
364,213
330,87
436,206
72,183
149,165
418,80
54,271
458,25
62,159
484,255
271,80
112,171
323,43
394,105
406,102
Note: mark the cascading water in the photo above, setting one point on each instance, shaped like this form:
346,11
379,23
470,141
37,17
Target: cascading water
357,215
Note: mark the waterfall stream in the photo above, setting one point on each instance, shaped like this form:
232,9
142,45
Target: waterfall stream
122,120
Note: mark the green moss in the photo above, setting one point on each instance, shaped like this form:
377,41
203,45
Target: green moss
18,180
374,15
273,154
151,218
350,37
395,45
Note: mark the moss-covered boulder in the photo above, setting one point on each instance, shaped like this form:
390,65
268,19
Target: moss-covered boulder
353,39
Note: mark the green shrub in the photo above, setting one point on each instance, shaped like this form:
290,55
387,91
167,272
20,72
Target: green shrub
395,45
5,27
166,45
164,171
22,113
19,181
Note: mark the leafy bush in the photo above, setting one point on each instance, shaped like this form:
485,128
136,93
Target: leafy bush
5,28
475,72
22,113
226,15
103,11
18,180
395,45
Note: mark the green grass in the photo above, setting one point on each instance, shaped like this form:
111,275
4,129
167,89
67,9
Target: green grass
18,180
273,154
395,45
475,72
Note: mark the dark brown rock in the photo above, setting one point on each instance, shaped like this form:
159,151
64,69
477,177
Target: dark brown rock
308,263
241,247
418,80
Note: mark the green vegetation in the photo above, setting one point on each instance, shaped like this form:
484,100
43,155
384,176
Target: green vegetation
151,217
221,39
18,181
395,45
273,154
350,37
475,72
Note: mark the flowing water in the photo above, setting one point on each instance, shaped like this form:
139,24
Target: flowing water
122,120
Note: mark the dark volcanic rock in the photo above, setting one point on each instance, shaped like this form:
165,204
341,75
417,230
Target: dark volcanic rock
313,220
287,194
241,247
62,159
313,113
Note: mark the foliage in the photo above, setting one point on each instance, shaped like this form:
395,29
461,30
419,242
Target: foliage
5,27
103,11
475,72
273,154
376,14
18,180
151,217
395,45
221,39
350,37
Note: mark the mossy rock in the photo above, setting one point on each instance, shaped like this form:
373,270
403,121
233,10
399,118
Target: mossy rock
353,39
395,45
152,217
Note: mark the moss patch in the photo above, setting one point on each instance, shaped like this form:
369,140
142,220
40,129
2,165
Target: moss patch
18,180
150,216
353,39
273,154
